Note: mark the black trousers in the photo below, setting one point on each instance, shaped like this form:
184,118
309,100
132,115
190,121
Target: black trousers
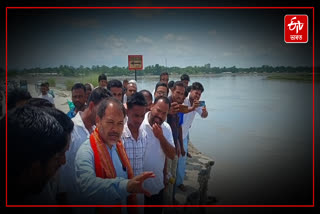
154,200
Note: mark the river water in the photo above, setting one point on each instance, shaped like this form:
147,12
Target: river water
259,132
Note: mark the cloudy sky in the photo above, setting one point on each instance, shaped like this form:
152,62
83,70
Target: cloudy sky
180,37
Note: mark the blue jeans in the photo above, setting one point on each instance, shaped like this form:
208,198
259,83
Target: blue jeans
181,168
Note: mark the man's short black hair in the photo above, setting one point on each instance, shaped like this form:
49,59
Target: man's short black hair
188,89
178,83
78,86
161,84
170,84
33,135
105,103
62,118
185,77
102,77
197,86
136,99
16,95
164,74
99,94
40,102
114,84
186,92
165,99
144,91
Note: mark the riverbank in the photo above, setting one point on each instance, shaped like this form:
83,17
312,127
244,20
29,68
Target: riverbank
66,83
198,170
304,77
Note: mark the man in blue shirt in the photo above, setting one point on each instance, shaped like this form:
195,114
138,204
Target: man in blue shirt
103,173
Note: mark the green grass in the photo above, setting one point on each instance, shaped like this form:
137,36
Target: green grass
92,78
52,82
305,77
69,84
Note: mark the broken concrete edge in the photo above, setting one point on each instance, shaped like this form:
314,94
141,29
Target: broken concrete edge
198,169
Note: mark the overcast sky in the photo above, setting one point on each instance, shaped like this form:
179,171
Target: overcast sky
221,37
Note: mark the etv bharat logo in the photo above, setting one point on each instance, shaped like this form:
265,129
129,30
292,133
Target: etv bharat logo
296,29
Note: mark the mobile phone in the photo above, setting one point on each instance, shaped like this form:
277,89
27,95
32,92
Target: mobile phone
202,103
183,109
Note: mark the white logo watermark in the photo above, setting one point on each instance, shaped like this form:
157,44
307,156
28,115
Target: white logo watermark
295,25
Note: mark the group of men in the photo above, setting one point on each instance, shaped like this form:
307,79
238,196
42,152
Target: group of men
120,146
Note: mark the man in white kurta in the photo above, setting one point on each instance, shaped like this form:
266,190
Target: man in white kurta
67,172
192,101
159,146
154,155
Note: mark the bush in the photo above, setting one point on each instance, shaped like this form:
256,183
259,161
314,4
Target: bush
52,82
92,78
69,84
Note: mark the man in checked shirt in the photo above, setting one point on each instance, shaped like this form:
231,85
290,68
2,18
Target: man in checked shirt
134,138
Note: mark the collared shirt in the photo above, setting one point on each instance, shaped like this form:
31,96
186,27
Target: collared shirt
67,178
95,190
189,117
125,98
135,149
154,155
47,97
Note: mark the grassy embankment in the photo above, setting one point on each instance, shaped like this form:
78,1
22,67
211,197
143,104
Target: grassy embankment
93,79
305,77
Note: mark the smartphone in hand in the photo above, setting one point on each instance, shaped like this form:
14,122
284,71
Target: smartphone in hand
202,103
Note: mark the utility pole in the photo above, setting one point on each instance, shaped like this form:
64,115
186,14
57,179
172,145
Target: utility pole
135,75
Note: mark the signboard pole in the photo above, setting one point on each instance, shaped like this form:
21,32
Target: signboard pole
135,74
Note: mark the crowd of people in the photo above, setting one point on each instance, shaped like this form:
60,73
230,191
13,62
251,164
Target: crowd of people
116,145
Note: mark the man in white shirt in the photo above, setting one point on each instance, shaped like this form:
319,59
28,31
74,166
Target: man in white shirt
44,93
192,101
159,146
131,89
84,124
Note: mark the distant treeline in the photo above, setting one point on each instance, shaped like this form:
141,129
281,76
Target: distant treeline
65,70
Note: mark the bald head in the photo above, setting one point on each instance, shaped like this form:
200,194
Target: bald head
110,101
110,120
